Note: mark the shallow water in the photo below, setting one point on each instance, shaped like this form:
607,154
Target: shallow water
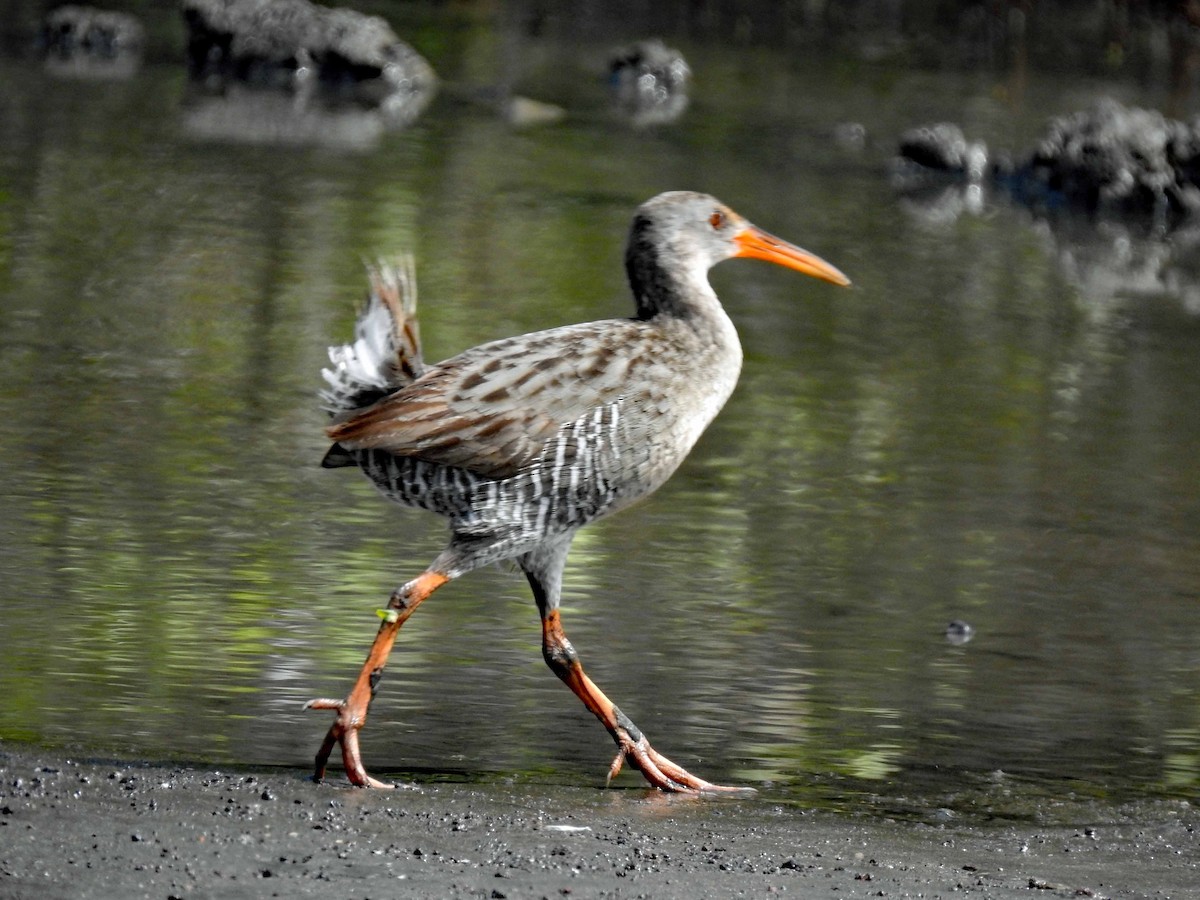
996,425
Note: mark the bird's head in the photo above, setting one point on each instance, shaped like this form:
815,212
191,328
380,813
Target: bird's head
688,233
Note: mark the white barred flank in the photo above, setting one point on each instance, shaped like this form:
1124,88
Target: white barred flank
577,479
573,481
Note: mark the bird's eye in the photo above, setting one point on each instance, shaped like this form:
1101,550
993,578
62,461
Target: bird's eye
717,219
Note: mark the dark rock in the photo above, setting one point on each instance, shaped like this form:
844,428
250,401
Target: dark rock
292,43
1116,189
1116,159
942,149
90,42
1111,161
649,81
84,30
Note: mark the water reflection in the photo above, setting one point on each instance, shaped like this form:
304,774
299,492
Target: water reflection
258,116
1106,260
978,432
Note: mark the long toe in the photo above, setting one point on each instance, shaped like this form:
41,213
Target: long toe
353,763
344,731
662,773
682,776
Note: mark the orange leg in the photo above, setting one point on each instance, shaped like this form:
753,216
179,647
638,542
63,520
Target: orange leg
631,743
352,712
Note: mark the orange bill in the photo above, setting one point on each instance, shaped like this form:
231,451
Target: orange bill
754,243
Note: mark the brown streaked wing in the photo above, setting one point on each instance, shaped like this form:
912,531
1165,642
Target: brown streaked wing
492,409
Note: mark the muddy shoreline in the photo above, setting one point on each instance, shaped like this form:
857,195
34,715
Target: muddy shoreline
74,828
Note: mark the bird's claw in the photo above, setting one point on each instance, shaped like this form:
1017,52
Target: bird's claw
660,771
344,731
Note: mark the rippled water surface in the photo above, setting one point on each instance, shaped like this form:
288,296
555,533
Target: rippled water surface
999,424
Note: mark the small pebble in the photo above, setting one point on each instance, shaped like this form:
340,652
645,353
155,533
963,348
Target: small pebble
959,632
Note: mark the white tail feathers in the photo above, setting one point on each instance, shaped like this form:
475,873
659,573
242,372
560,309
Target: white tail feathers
386,351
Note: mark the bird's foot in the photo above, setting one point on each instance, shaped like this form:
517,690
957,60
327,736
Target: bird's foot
344,731
658,770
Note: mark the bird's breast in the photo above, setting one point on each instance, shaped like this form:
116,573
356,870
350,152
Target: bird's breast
625,448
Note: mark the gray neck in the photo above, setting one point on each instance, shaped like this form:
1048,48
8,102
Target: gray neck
664,278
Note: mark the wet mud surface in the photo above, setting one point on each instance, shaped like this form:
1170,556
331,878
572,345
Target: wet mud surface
82,829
